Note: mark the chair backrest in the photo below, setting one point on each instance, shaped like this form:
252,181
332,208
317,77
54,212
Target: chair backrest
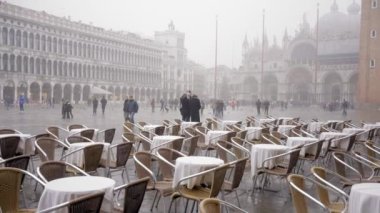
88,203
238,172
92,156
109,134
128,137
53,130
134,195
318,145
128,127
8,146
52,170
214,205
242,134
178,121
270,139
88,133
201,131
222,148
175,129
143,162
160,130
177,144
218,179
10,182
8,131
20,162
193,145
46,148
323,194
75,126
77,139
145,141
189,132
347,165
123,151
297,184
294,154
166,161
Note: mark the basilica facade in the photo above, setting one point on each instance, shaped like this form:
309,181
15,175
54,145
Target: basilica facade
317,63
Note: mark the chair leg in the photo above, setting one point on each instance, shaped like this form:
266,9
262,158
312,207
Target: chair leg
24,199
126,173
154,200
158,200
237,198
192,208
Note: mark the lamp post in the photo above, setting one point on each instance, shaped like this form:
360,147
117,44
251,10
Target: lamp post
316,58
262,57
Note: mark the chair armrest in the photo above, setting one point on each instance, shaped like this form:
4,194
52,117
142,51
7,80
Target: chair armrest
277,156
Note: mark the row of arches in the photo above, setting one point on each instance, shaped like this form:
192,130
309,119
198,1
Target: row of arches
135,55
47,67
37,92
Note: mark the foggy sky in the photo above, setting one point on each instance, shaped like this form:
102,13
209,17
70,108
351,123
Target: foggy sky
196,18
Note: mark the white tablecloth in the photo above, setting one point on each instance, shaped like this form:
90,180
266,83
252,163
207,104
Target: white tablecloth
26,144
213,136
65,189
364,198
227,122
285,129
295,141
254,132
371,126
260,152
186,124
78,157
185,166
350,131
315,126
284,120
328,135
160,139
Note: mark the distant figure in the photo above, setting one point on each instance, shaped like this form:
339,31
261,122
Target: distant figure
266,107
21,102
258,106
125,109
132,108
195,106
344,107
152,104
69,109
63,108
162,102
202,106
103,102
175,104
185,106
94,105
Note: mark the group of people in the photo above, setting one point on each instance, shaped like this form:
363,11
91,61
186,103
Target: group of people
265,104
67,109
130,108
218,108
190,106
95,104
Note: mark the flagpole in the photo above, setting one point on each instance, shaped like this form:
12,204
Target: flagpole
216,55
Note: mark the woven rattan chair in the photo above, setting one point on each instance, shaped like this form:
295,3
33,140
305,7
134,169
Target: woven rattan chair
145,141
190,145
133,196
108,135
175,129
87,203
8,146
10,184
270,139
300,196
189,132
92,155
166,160
213,205
242,134
128,137
143,165
325,175
128,127
160,130
9,131
178,121
46,148
58,132
199,193
52,170
175,144
311,157
77,139
87,133
117,158
75,126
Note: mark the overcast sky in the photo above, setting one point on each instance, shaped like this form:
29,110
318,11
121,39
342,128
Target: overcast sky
196,18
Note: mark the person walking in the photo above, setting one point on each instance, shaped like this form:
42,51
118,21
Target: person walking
266,107
152,104
69,110
185,106
162,102
203,105
132,108
344,107
94,105
195,106
125,110
21,102
258,106
103,102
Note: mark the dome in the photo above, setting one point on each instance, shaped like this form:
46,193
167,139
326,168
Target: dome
354,8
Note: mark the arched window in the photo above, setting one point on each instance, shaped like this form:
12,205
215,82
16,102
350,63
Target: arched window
18,38
12,62
31,41
5,62
38,66
5,35
37,42
31,65
12,37
25,40
25,64
43,43
48,44
55,45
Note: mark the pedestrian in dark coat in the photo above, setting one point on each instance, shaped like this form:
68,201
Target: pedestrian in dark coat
132,109
104,103
185,107
94,105
258,106
195,106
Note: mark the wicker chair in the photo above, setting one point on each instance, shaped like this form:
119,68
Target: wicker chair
143,165
52,170
178,121
87,203
45,147
270,139
10,184
190,145
133,196
324,175
8,146
166,160
175,129
77,139
128,127
86,133
312,158
128,137
9,131
160,130
213,205
92,156
199,193
189,132
76,126
145,141
109,134
123,151
57,132
300,196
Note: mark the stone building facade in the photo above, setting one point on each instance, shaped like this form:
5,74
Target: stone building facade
47,57
300,71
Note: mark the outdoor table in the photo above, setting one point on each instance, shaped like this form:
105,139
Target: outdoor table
295,141
185,166
65,189
227,122
253,132
260,152
161,139
364,198
328,135
186,124
315,126
213,136
285,129
77,158
26,144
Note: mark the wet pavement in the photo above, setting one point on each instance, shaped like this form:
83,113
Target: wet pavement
35,119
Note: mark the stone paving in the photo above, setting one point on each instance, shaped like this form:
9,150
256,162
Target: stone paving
36,118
